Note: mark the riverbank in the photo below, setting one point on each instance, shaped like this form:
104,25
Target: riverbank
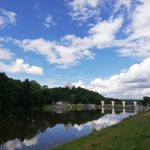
69,107
131,134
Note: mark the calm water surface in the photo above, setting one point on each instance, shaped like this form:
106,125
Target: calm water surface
43,130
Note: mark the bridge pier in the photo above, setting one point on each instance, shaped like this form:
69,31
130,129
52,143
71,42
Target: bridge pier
124,110
123,103
103,110
113,103
102,103
113,110
135,103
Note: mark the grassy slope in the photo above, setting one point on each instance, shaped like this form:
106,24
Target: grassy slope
131,134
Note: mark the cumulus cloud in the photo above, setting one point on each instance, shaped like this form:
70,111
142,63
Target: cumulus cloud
5,54
56,53
137,44
80,83
13,144
136,41
133,83
30,142
128,34
7,18
100,35
82,10
71,49
141,20
20,67
48,21
17,144
104,121
120,3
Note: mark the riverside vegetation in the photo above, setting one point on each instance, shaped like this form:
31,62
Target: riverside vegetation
131,134
27,94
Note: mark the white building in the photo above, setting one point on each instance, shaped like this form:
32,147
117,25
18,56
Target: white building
69,85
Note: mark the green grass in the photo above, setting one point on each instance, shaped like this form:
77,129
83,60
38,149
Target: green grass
131,134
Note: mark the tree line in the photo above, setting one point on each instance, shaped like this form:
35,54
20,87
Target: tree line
28,94
146,101
26,125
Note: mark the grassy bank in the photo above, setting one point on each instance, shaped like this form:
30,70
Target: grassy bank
131,134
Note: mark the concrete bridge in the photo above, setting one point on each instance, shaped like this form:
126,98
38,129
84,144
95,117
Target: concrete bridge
123,103
123,106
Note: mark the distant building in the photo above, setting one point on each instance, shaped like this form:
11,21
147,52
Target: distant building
69,85
59,103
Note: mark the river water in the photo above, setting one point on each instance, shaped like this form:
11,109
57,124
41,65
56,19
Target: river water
38,130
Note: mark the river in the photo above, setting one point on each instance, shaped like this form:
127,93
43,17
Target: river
38,130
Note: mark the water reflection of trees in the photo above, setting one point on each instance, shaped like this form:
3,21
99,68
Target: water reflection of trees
26,125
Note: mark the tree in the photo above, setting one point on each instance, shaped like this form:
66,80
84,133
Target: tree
146,101
28,94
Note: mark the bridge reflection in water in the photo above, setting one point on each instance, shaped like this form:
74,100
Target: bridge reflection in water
44,130
135,110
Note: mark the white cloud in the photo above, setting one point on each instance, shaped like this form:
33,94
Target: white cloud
48,21
30,142
62,55
138,48
80,83
13,144
104,121
100,35
137,35
137,44
133,83
5,54
135,18
120,3
71,49
7,18
82,10
17,144
133,41
19,66
104,34
140,25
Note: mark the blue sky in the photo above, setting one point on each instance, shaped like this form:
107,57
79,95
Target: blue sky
96,44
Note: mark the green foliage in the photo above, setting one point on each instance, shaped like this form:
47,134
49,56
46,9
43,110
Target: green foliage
28,94
131,134
27,124
146,100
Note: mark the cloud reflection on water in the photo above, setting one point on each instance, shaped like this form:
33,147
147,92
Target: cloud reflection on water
104,121
17,144
61,133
